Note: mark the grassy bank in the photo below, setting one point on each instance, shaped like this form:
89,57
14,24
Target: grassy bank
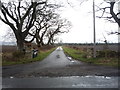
82,56
27,58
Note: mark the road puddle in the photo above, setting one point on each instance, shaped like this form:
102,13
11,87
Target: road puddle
11,77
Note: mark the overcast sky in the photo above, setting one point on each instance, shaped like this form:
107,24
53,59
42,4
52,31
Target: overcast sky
81,18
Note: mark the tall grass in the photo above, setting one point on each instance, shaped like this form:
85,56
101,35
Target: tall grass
76,54
28,58
82,56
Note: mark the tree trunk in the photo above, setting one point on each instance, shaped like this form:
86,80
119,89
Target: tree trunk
38,42
49,39
20,45
20,41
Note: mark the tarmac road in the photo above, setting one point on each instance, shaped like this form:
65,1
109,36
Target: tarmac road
59,71
55,60
57,64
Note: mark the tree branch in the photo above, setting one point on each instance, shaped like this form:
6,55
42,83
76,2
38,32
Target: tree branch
9,14
113,14
18,9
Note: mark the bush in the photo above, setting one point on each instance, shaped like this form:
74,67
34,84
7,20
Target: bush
17,54
84,55
107,53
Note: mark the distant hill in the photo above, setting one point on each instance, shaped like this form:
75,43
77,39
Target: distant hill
7,43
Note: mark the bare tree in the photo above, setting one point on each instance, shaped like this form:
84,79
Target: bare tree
60,26
43,22
20,17
112,15
108,12
46,23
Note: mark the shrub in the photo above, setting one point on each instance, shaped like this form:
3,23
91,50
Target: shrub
107,53
17,54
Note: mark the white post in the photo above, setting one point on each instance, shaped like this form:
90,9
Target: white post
94,37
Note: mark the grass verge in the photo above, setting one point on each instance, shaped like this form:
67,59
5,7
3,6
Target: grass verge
82,56
28,59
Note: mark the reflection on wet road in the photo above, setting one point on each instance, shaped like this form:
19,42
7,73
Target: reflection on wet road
62,82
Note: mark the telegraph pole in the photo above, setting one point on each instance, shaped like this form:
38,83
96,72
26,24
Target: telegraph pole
118,30
119,18
94,32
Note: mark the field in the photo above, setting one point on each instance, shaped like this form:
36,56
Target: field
107,57
99,47
11,56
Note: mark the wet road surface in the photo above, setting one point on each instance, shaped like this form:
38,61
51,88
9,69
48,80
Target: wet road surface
55,60
58,70
62,82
